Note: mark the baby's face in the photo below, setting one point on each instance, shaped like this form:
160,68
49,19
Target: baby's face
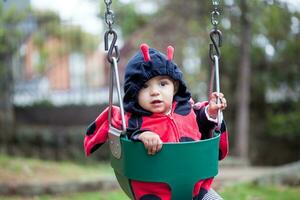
157,94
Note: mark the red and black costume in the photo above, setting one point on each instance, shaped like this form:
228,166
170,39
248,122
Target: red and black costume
186,122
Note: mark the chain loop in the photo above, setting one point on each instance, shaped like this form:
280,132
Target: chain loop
108,2
216,2
109,18
215,17
109,14
215,14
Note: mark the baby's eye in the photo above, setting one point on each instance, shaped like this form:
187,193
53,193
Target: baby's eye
145,86
163,83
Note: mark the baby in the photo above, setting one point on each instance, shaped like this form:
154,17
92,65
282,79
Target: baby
159,109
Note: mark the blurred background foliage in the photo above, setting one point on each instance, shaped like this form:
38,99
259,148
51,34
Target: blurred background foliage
274,72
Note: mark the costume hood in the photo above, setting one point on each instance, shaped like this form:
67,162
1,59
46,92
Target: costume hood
145,65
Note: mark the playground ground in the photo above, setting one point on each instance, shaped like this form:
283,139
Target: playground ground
24,179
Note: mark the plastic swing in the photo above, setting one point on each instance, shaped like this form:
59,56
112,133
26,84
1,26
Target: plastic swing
130,159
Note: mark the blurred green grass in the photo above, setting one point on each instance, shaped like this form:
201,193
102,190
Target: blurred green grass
107,195
23,170
237,192
250,191
20,170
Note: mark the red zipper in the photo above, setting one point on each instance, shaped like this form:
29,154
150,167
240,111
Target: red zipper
174,127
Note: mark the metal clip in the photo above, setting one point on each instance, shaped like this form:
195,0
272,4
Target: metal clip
214,48
112,46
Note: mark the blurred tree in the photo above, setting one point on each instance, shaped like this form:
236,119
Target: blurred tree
12,34
9,38
129,18
281,71
242,121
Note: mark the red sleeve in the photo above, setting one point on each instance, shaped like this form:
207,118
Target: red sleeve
97,132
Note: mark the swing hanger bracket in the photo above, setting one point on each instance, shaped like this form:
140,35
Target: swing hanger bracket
113,48
214,48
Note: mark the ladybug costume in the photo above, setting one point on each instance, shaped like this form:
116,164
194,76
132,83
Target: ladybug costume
187,121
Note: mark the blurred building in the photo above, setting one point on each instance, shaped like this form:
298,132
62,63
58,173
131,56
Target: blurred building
72,78
64,72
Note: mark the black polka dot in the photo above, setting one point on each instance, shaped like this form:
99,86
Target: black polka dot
223,127
94,148
150,197
186,139
91,129
201,194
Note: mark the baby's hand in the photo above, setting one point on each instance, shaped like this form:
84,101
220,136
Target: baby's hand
213,107
151,141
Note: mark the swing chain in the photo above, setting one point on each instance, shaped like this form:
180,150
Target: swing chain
110,20
215,33
215,14
215,54
109,14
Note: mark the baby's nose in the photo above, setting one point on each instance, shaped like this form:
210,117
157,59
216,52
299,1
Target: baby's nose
154,91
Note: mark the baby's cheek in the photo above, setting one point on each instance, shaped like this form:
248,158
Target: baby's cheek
167,104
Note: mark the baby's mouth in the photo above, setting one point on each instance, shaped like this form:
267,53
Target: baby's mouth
156,101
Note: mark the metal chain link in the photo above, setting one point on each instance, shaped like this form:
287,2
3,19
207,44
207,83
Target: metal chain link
109,14
215,14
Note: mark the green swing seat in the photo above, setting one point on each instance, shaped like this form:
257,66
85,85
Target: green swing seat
180,165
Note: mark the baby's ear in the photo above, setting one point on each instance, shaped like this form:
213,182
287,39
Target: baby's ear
176,86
